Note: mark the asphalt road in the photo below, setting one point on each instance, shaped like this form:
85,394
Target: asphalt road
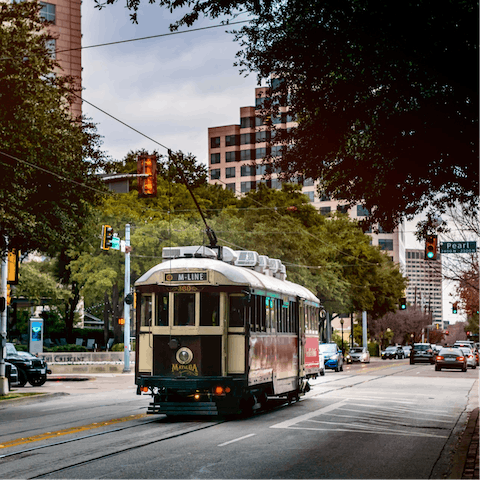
384,420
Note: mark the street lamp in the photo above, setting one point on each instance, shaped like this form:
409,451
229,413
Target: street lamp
341,323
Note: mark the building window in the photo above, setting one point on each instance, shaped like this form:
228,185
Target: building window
215,142
260,153
230,156
231,140
342,208
230,172
308,182
362,211
215,158
230,186
262,136
247,122
246,155
310,195
277,150
247,170
325,211
245,187
246,139
385,243
47,12
215,174
51,45
276,184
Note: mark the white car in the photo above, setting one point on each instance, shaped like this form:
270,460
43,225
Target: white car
360,354
471,360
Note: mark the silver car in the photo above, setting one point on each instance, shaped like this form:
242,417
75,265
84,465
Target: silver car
360,354
469,355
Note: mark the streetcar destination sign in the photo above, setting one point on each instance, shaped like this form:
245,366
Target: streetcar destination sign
458,247
186,277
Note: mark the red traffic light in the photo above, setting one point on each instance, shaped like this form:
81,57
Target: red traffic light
147,175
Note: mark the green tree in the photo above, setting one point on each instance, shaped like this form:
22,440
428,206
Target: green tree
385,94
48,160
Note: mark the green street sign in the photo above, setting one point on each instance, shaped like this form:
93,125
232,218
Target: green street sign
115,243
458,247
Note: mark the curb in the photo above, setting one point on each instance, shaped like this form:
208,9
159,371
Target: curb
41,397
461,455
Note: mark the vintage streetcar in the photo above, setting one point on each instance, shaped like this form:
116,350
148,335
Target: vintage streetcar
221,332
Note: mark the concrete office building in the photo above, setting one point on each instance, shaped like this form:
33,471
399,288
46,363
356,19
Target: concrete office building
425,283
235,161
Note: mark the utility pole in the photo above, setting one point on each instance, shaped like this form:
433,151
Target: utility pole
3,322
364,329
126,306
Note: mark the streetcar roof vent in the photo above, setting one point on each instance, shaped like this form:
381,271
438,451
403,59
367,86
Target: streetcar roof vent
193,251
247,258
274,265
282,272
263,265
229,255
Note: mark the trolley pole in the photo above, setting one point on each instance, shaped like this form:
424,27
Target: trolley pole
126,306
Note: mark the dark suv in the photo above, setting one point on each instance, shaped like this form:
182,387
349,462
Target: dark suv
422,352
30,368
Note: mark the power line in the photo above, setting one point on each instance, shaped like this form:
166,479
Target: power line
152,36
61,177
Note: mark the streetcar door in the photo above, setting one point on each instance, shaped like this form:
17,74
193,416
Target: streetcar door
302,313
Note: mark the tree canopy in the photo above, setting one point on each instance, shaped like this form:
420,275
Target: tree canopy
385,94
48,159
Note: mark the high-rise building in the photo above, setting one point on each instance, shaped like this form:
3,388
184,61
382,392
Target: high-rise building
64,25
425,283
235,161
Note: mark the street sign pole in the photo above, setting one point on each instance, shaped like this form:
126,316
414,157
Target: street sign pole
126,306
3,323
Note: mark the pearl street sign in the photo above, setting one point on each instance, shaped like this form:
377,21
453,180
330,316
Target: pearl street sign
458,247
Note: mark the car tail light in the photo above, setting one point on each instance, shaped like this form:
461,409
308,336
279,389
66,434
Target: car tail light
144,389
460,359
439,357
218,390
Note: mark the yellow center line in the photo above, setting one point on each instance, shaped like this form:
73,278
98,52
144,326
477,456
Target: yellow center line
68,431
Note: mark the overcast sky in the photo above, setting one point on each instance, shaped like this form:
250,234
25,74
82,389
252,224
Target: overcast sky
172,88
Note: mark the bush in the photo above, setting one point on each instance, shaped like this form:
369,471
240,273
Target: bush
119,347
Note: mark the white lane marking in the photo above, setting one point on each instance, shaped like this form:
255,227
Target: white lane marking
236,440
352,430
307,416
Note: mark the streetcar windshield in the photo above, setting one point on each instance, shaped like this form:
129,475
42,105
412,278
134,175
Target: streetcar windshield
184,309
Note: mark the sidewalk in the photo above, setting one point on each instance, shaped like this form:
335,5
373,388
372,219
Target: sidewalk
466,457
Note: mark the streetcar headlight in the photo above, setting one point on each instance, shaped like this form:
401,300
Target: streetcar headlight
184,355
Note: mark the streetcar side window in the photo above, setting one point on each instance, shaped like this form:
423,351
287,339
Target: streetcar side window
162,310
294,316
146,311
184,309
210,309
236,318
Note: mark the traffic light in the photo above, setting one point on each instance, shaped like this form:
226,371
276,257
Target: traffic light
107,235
147,175
12,270
455,307
121,321
403,303
446,332
431,247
